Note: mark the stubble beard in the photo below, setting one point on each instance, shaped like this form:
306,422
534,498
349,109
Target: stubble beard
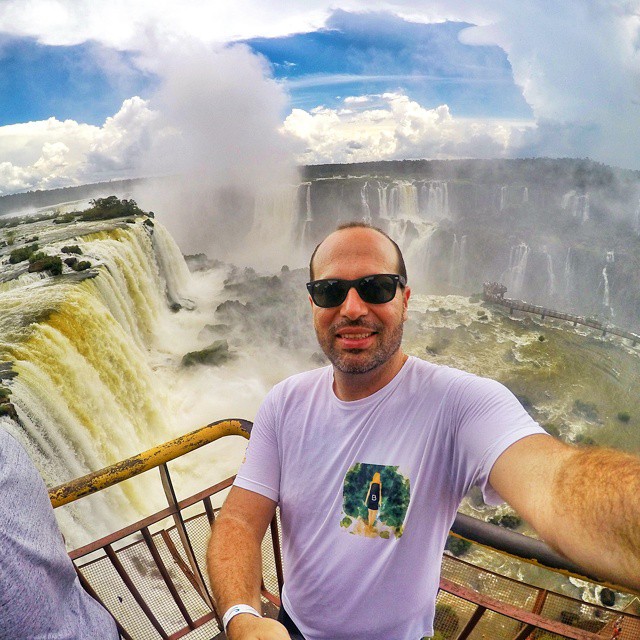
339,358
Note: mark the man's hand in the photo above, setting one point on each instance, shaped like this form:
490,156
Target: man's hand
247,627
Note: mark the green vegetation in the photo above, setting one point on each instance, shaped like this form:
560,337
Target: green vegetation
586,410
65,219
585,441
43,262
72,249
508,521
22,254
445,622
457,546
111,207
624,416
552,429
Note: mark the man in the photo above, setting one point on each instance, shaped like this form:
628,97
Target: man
431,433
40,594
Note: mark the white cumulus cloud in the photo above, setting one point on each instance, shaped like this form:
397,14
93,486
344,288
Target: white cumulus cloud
52,153
396,128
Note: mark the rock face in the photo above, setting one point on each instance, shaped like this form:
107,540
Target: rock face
559,233
215,354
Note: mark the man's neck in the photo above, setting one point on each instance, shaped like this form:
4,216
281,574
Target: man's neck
355,386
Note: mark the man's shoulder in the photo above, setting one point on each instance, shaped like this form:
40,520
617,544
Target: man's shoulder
301,381
430,373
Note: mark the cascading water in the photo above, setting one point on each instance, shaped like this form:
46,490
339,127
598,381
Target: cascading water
85,392
503,197
435,197
551,278
275,224
458,263
577,205
382,200
366,211
569,274
513,277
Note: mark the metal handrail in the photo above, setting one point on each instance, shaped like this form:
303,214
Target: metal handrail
154,457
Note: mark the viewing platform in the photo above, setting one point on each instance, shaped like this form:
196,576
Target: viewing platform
494,292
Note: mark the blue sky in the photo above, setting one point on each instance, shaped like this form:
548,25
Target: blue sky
351,55
380,52
95,89
41,81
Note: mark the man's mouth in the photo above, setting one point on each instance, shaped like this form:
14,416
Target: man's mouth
355,338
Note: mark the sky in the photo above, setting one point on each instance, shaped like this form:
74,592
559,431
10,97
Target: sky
232,92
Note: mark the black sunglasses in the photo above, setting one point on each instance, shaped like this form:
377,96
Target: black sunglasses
375,289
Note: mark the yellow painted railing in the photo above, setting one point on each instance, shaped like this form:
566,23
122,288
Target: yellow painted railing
125,469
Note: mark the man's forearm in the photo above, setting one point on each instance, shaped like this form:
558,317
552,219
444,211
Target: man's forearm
234,563
597,494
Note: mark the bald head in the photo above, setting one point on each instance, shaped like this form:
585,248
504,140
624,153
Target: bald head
359,229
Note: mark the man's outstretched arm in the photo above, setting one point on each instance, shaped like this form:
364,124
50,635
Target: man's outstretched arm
584,502
234,563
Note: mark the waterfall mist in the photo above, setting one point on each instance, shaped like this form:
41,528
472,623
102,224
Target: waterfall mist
228,167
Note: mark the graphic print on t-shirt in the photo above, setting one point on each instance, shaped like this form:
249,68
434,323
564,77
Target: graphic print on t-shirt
375,501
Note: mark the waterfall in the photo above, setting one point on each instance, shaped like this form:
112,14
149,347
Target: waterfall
85,392
417,251
551,278
437,200
275,225
407,202
577,205
637,218
525,195
366,211
453,261
503,197
382,201
309,216
458,263
513,277
569,273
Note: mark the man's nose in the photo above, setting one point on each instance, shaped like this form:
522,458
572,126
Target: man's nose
353,306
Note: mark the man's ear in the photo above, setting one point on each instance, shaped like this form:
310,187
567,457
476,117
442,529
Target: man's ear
406,294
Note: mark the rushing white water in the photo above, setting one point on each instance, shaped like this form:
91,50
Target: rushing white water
436,200
366,211
275,225
513,277
551,277
569,273
85,392
503,197
577,205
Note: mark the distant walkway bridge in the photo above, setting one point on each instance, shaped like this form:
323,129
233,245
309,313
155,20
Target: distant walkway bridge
494,292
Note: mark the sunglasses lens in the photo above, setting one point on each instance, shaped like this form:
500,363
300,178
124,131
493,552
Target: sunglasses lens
329,293
377,289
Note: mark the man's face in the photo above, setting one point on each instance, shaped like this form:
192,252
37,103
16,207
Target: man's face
358,337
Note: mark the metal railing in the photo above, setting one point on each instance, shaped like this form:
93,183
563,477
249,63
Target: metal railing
152,576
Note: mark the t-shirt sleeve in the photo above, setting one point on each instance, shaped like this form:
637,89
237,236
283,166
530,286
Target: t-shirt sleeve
488,419
260,469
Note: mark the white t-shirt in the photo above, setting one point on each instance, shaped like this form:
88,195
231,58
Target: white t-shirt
430,435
